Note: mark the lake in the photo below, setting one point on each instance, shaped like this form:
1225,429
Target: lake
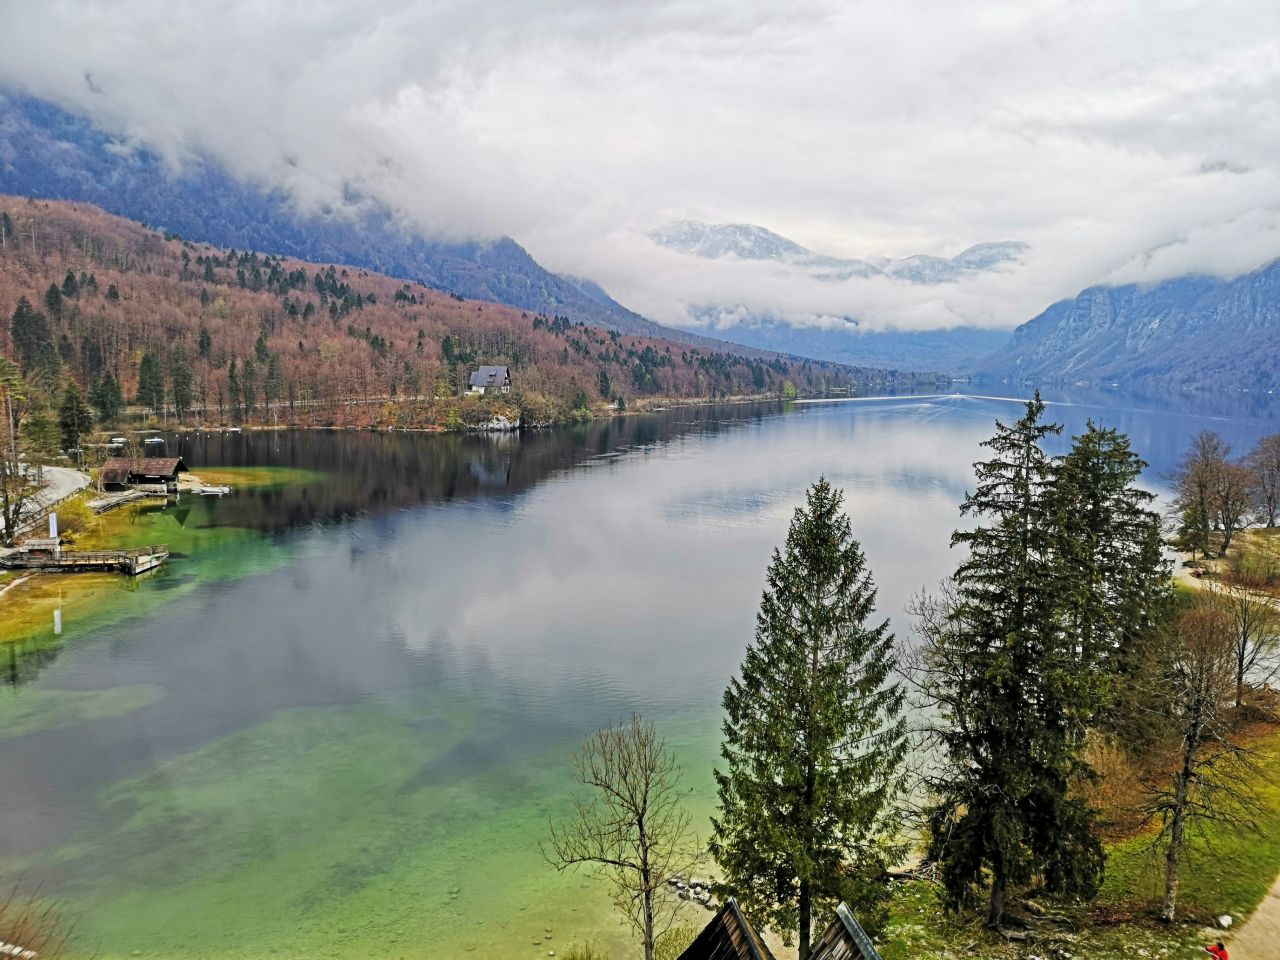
341,717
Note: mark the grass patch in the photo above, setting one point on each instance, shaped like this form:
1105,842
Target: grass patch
255,478
1227,870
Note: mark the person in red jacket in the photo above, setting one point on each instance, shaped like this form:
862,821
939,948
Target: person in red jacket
1217,950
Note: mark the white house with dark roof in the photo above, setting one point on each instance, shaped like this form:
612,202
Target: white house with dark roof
490,378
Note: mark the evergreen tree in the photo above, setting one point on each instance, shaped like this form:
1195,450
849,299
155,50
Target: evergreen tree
234,391
6,230
107,398
32,338
204,342
113,292
275,379
249,386
151,382
1118,582
70,286
1015,692
813,734
53,300
75,418
41,436
181,381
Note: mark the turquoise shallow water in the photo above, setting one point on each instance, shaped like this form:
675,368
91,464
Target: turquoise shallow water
355,750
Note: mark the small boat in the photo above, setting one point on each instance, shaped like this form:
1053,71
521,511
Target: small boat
217,490
117,442
233,429
154,440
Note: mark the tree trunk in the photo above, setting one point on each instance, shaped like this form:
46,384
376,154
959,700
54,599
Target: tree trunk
648,916
1177,827
1239,683
806,895
1172,857
646,883
995,913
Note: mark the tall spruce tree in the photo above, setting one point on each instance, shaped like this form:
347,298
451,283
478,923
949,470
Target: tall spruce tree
234,392
181,381
75,418
1014,690
151,382
107,398
32,338
1117,582
813,734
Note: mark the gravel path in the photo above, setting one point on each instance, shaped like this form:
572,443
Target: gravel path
1259,937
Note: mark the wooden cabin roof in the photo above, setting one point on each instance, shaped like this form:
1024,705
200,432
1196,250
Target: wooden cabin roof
729,936
844,939
120,469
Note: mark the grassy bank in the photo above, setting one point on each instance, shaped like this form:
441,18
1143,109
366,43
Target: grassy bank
1228,870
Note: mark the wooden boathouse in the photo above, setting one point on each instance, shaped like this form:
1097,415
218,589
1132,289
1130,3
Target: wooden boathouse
158,474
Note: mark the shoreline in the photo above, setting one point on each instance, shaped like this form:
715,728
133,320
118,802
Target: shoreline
638,408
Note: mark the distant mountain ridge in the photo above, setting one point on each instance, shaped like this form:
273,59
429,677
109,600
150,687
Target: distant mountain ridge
49,153
746,241
1192,332
850,341
951,350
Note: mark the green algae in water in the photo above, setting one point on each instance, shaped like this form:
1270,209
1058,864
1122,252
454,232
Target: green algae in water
25,711
343,832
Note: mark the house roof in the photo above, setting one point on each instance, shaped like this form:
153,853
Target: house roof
120,469
844,939
729,936
489,377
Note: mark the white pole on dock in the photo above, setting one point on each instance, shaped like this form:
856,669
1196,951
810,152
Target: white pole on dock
53,533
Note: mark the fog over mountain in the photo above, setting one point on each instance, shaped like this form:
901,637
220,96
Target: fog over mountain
746,241
1122,145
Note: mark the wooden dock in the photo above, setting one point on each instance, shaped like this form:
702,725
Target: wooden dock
132,562
112,500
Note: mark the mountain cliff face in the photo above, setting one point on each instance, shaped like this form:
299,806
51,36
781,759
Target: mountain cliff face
1192,332
49,153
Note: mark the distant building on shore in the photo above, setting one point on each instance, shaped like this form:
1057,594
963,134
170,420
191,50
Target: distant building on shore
490,378
120,473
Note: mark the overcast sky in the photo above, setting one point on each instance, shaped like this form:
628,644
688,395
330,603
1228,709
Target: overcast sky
1122,140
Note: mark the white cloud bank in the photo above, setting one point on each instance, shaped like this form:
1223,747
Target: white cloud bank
1123,142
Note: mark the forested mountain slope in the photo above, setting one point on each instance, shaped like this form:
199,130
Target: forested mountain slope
236,336
50,153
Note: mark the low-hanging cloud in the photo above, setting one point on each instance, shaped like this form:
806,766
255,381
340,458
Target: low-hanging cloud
1124,144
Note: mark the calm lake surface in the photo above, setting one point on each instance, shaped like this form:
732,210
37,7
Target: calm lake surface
342,733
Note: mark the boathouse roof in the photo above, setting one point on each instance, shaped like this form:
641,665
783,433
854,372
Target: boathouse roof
126,469
729,936
844,939
489,377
